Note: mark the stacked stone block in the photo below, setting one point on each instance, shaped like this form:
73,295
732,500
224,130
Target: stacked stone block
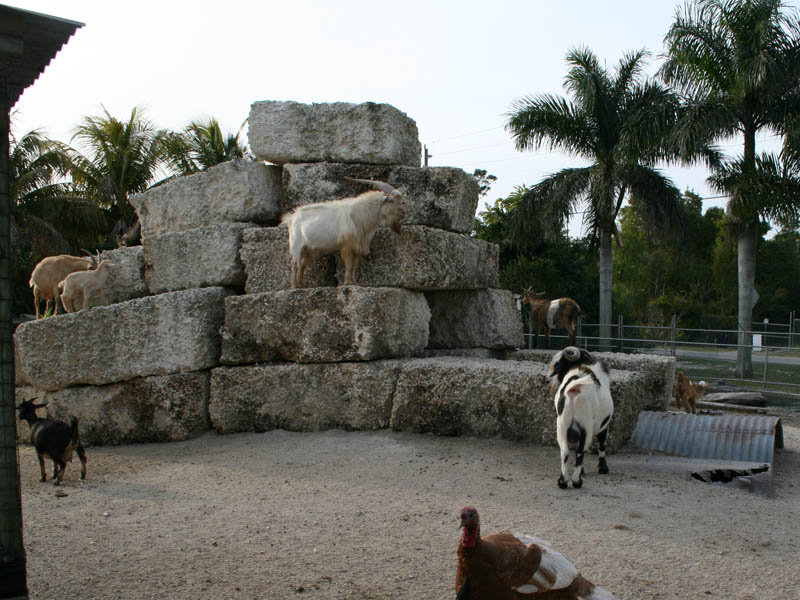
203,330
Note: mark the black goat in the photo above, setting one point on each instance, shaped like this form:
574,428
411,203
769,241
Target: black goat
53,439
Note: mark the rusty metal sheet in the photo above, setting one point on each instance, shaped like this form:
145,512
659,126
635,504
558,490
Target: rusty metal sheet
747,438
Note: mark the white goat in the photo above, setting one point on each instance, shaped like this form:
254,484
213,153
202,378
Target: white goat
584,408
345,225
86,285
50,271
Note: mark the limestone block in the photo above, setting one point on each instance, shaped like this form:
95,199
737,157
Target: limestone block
658,371
420,258
291,132
126,280
303,397
489,398
164,408
202,257
324,325
474,319
265,255
237,191
439,197
156,335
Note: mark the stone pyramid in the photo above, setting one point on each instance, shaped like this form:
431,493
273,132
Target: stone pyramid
203,331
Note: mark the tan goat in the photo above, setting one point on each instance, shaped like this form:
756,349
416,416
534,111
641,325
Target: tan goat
687,393
52,270
87,286
548,315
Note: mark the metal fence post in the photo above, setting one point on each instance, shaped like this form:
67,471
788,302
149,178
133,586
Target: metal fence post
673,333
620,331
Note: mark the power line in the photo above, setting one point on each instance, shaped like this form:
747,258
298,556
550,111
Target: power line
463,135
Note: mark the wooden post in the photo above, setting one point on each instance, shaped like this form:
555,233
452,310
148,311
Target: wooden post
13,581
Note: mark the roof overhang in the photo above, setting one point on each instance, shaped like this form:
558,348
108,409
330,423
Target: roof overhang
28,42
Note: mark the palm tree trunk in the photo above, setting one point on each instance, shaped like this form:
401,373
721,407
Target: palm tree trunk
605,289
747,276
12,553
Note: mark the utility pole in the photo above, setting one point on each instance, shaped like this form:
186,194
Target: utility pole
426,156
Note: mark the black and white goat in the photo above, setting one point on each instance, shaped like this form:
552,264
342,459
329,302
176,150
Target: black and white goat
584,407
53,439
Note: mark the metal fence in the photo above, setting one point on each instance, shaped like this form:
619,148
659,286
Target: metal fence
708,354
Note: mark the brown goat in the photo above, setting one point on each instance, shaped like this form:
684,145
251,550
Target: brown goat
50,271
548,315
687,393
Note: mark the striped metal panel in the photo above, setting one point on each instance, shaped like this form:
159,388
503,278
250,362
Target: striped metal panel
747,438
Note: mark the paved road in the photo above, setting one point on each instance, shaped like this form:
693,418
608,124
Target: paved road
758,357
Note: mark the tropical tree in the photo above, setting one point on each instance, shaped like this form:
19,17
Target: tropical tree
124,157
737,63
617,122
48,216
202,145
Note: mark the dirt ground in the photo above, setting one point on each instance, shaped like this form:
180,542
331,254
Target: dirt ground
373,515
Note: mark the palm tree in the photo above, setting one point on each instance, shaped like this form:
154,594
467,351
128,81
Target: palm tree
44,202
617,123
125,157
202,145
737,63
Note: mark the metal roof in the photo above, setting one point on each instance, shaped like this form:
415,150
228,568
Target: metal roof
28,42
746,438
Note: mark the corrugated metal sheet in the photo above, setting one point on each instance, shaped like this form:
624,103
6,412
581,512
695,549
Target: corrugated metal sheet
747,438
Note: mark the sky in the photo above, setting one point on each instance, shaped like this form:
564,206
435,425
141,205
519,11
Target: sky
454,67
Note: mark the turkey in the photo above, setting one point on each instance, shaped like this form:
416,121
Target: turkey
511,566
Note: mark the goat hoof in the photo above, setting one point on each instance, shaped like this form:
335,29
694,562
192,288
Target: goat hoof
577,484
602,467
562,483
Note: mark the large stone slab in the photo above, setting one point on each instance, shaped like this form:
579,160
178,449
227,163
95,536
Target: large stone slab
265,256
491,398
303,397
164,408
237,191
658,371
291,132
440,197
202,257
126,280
420,258
155,335
348,323
474,319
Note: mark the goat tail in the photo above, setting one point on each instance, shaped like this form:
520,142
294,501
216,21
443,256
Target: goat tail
73,427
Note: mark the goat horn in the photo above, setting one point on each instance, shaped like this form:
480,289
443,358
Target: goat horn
384,187
571,353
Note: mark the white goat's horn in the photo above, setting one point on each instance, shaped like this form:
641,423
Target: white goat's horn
571,353
384,187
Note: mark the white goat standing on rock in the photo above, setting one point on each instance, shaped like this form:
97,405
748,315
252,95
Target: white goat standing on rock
345,226
51,271
87,286
584,408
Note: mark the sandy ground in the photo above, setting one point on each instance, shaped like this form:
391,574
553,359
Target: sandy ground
372,515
